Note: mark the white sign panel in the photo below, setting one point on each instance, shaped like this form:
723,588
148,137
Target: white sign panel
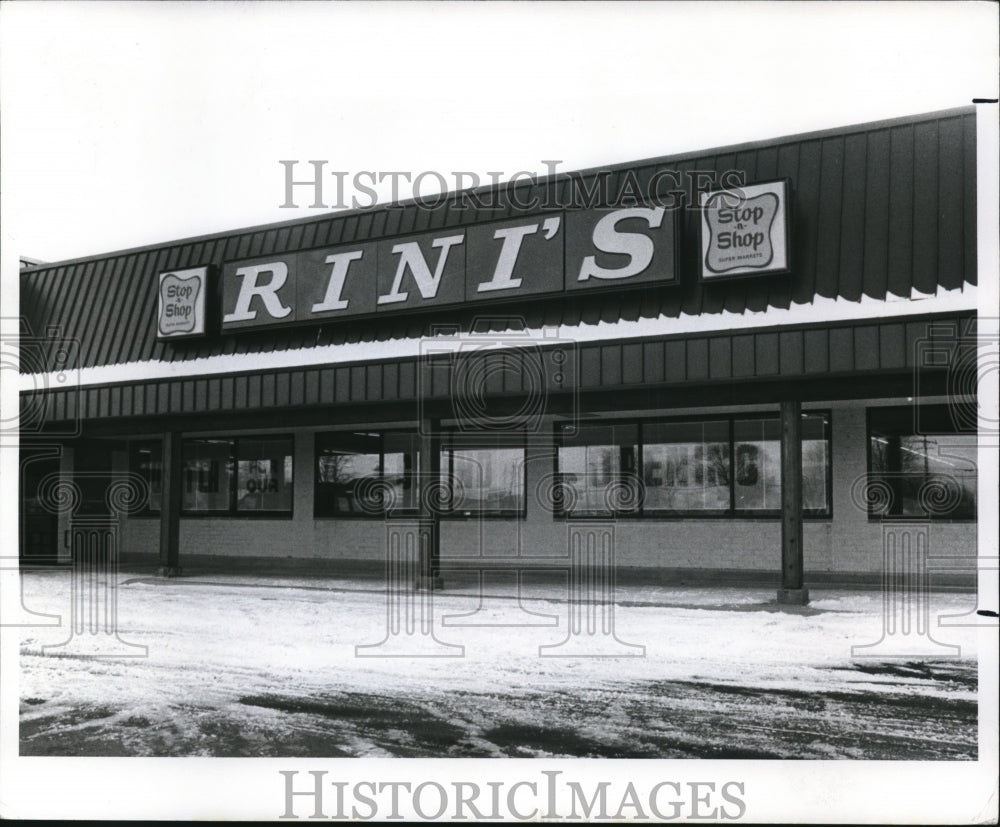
182,303
744,231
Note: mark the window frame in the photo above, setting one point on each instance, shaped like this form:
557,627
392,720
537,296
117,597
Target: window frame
234,457
504,440
448,438
936,413
134,446
404,513
686,513
730,513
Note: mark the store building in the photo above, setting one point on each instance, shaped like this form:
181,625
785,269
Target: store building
746,361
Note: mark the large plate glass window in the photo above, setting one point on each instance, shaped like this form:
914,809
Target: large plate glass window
816,470
483,475
146,460
208,474
264,475
598,470
685,466
365,473
716,466
240,475
922,465
757,464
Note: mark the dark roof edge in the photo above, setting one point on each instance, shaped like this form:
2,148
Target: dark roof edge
848,129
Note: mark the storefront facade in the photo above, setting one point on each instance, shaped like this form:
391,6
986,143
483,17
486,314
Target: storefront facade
759,384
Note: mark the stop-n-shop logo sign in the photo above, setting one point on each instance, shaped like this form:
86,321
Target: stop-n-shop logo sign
182,302
745,231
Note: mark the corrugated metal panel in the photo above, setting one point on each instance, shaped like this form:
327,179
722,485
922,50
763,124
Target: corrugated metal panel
831,183
126,318
969,183
951,247
851,256
876,242
880,209
806,226
925,216
111,320
901,211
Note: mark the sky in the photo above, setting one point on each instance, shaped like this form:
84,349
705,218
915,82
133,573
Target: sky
126,124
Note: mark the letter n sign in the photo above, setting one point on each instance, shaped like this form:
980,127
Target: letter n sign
745,231
182,303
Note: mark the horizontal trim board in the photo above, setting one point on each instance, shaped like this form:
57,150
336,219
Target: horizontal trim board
589,368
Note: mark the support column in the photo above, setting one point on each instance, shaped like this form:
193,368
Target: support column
170,506
792,589
429,476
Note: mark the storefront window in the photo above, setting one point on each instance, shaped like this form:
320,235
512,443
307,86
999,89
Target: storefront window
815,464
146,460
685,466
717,466
241,475
399,465
483,476
757,457
597,470
757,464
927,475
365,473
264,475
208,472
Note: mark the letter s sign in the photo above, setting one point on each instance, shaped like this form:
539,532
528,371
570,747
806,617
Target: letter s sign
637,246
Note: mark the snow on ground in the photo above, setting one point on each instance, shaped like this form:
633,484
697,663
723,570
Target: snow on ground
240,665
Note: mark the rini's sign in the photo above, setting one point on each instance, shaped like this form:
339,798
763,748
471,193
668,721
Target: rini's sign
744,231
554,253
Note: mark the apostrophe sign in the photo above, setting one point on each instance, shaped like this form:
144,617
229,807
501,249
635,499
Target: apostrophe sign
744,231
182,303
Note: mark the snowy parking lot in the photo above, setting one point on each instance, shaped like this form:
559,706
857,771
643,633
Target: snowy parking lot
239,665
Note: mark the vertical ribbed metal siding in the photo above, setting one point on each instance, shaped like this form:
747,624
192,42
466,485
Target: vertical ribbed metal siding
876,211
